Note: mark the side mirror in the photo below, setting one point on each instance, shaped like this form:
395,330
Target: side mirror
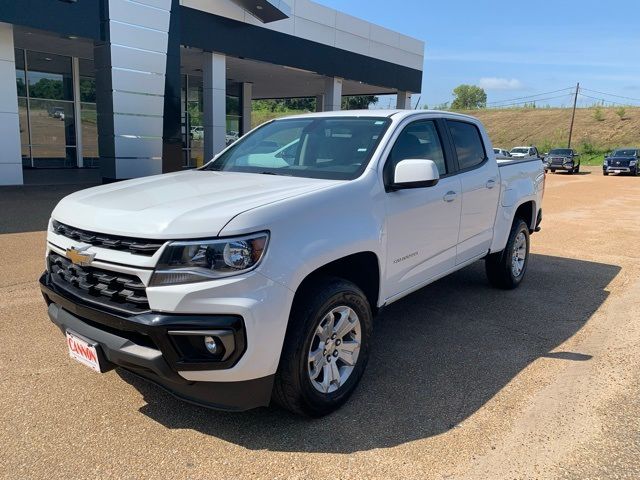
415,173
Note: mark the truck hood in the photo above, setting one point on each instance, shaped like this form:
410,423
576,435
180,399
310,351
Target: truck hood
191,204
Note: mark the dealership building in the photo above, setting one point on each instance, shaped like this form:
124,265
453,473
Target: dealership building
116,89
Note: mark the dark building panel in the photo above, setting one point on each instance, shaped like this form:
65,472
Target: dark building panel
171,133
80,18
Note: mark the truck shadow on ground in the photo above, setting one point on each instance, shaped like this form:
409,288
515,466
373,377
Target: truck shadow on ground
438,356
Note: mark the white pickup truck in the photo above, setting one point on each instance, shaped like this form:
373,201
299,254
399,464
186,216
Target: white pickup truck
257,276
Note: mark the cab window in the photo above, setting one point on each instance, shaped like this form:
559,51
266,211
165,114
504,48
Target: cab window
418,140
468,144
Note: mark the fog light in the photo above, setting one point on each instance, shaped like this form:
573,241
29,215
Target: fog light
211,345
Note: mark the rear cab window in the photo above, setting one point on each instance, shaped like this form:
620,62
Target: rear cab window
468,144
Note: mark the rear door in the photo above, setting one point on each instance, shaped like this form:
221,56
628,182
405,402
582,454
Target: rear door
480,185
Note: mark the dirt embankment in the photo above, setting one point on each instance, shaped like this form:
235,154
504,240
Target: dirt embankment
549,127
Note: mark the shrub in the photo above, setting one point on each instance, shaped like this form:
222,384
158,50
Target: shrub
598,115
621,112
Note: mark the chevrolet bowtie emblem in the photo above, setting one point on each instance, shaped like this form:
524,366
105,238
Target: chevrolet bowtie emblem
79,257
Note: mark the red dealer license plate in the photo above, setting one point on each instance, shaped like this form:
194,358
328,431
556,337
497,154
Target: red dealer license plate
83,351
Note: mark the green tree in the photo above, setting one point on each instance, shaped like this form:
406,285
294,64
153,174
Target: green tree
468,97
46,88
358,102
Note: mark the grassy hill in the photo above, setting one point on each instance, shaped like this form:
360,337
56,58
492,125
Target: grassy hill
593,134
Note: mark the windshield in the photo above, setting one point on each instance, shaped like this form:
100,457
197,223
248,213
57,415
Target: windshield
519,150
624,153
337,148
560,151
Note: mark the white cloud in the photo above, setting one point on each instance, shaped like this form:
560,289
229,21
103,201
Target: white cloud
495,83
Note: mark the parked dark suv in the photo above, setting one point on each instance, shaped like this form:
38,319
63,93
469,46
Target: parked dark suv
562,159
622,160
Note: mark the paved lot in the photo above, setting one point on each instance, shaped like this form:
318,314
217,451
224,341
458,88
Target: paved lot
464,381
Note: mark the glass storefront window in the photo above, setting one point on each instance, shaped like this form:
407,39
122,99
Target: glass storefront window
88,113
21,76
192,116
52,122
49,76
24,124
46,109
87,81
233,119
192,121
89,122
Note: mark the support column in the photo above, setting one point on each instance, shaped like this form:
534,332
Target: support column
10,158
404,100
319,103
214,96
332,94
130,86
245,99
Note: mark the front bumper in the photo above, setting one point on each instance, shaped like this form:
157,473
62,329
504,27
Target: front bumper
564,167
614,169
144,345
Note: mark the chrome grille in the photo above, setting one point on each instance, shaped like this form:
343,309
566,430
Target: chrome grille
133,245
113,290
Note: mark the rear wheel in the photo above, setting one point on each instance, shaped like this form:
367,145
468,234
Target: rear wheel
326,348
506,269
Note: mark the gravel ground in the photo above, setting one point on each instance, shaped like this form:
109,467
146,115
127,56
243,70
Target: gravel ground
464,381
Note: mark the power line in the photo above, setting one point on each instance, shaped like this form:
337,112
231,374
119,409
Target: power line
530,96
536,100
611,94
605,100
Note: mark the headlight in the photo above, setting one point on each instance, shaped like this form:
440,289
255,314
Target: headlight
605,161
201,260
632,163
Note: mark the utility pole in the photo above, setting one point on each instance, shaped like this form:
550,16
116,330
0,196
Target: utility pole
573,114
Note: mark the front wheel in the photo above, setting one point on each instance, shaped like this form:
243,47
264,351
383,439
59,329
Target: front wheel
506,269
605,173
326,348
577,169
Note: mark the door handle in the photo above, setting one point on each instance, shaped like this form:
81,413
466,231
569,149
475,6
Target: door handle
450,196
491,183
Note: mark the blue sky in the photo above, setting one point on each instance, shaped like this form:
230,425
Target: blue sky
516,48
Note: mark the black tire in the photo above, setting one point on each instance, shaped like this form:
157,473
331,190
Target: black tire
572,171
553,171
577,169
293,388
498,265
605,173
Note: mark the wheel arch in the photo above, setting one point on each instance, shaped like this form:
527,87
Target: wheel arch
362,268
527,211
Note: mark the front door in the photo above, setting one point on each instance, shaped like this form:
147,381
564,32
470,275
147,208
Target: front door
422,223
